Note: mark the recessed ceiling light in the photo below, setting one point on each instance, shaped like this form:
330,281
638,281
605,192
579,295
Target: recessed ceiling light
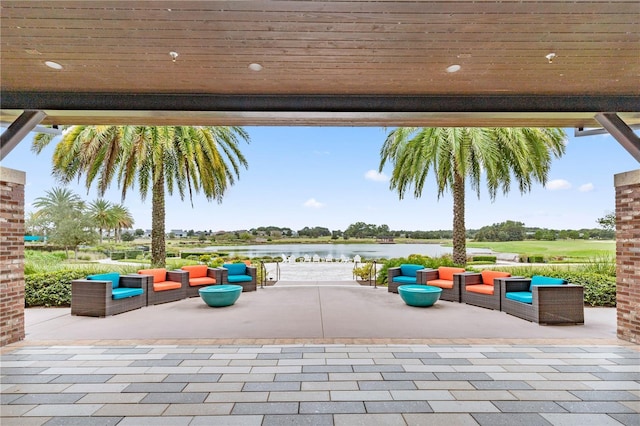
54,65
255,67
453,68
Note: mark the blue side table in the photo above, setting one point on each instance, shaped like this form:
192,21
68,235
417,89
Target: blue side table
218,296
419,295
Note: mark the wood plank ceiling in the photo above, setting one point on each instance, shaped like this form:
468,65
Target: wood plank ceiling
322,62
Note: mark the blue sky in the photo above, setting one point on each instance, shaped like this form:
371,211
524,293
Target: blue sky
327,176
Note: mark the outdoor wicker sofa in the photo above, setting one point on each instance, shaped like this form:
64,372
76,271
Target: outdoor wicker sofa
405,274
543,300
165,286
446,277
482,289
108,294
200,276
239,274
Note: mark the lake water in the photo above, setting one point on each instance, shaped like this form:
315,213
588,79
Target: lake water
366,251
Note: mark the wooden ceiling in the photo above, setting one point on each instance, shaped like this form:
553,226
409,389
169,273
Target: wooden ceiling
323,62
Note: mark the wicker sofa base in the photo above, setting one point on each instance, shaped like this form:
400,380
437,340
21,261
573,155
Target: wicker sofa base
448,294
193,290
92,298
158,297
489,301
552,304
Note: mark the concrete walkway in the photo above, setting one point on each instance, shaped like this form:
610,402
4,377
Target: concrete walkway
317,353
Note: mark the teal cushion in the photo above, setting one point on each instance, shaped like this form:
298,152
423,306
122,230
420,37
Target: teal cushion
124,292
404,280
236,268
239,278
114,277
409,270
542,280
520,296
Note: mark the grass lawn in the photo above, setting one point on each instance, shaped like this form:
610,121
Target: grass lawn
559,249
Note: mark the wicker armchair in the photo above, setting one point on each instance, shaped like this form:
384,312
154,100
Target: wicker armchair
165,286
405,274
550,303
239,274
447,279
200,276
482,289
108,294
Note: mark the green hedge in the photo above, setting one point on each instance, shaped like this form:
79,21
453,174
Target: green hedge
50,288
484,258
117,255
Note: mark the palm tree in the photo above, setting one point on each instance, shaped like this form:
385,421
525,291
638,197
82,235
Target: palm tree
65,215
188,159
496,155
55,205
101,213
122,219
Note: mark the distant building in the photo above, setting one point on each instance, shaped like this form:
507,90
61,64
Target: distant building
385,240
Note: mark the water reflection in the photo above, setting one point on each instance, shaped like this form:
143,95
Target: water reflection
336,251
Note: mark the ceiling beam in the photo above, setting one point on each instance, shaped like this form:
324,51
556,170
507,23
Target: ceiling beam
316,103
17,131
621,132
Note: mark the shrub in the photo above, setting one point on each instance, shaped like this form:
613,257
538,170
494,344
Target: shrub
132,254
117,255
50,288
364,271
484,258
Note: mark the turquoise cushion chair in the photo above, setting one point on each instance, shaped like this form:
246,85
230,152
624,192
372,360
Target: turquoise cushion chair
239,273
406,273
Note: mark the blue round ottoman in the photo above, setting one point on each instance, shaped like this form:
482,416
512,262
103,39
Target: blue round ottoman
419,295
217,296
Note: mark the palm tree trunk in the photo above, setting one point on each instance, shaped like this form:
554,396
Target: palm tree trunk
158,250
459,228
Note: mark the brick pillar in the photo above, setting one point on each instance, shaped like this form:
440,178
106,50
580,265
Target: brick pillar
628,254
11,255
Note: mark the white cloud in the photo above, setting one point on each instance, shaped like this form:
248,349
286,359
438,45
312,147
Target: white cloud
587,187
313,203
558,184
376,176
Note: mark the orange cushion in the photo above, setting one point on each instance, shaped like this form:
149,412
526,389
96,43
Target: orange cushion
480,288
441,283
488,276
166,285
158,274
193,282
446,272
196,271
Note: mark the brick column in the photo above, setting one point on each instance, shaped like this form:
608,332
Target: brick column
11,255
628,254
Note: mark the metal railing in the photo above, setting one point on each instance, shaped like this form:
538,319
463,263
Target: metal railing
264,273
